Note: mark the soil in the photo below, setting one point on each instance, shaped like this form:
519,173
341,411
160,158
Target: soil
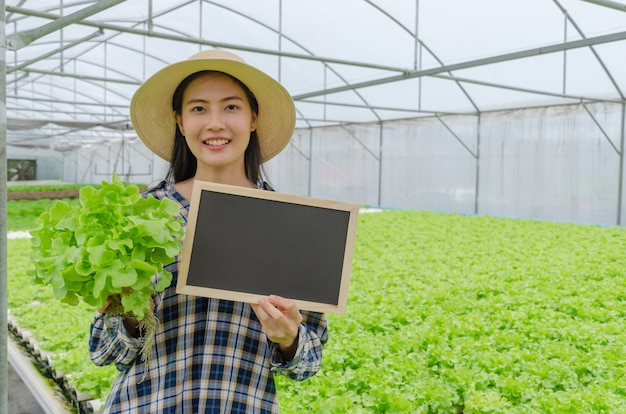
36,195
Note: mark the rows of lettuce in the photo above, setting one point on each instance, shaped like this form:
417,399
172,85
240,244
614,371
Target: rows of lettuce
446,314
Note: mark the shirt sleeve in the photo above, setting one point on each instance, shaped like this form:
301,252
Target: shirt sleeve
312,336
109,342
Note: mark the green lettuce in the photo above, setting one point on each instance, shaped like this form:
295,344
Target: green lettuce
114,242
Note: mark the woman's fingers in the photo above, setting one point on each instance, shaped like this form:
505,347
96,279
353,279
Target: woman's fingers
105,306
280,318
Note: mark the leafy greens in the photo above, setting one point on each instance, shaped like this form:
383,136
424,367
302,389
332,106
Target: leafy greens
114,242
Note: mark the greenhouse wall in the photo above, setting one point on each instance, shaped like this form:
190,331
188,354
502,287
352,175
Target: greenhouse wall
554,163
96,163
49,162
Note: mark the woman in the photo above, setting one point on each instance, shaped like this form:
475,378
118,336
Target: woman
215,118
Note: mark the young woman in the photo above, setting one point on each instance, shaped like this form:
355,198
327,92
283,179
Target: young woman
215,118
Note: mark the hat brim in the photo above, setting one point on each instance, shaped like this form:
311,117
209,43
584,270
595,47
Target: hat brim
153,117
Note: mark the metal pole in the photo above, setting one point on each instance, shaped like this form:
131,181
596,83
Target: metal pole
19,40
380,162
4,331
608,3
620,179
477,180
310,161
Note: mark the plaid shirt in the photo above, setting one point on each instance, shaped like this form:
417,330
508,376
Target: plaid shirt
209,355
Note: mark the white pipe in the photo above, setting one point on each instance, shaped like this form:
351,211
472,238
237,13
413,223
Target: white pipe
34,382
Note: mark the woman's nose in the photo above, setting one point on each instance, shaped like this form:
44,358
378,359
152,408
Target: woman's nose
214,120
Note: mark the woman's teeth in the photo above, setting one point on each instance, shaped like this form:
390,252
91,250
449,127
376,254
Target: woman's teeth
216,142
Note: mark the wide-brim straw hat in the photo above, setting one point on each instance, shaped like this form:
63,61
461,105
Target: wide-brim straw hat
153,118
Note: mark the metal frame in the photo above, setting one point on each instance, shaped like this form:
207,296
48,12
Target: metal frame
4,322
402,73
17,41
27,73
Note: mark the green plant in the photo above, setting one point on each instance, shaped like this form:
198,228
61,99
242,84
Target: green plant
446,314
17,188
112,243
23,214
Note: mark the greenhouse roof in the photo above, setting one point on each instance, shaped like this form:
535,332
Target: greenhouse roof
73,66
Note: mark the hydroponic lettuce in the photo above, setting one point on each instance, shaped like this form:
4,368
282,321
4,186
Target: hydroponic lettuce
113,243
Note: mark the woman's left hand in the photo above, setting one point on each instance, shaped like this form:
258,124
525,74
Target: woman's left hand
281,319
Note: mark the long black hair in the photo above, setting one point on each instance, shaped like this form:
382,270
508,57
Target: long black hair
183,163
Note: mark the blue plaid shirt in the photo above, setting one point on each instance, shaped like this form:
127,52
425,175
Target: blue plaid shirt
209,355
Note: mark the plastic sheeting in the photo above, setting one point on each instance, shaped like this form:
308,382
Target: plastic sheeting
552,163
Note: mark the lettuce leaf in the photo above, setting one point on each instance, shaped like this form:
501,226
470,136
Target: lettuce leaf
114,242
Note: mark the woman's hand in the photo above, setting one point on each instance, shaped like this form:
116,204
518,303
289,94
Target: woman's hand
105,306
281,319
131,324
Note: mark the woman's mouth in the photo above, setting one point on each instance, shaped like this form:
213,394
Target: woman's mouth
216,142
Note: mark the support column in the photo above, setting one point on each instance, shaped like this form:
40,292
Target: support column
380,163
4,364
620,179
477,182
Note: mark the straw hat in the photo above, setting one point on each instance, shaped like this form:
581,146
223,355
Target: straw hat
153,117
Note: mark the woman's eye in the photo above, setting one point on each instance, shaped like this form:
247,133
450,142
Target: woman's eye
231,107
197,109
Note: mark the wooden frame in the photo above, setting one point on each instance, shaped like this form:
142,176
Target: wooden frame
244,243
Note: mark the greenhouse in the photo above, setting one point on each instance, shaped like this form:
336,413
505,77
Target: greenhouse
465,107
480,108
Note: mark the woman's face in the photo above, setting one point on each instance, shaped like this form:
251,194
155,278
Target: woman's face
216,120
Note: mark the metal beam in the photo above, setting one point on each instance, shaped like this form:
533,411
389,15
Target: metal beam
606,136
196,41
383,108
459,140
17,41
118,124
461,80
571,20
79,77
62,112
472,63
59,101
16,79
620,183
526,90
55,51
74,91
608,3
4,322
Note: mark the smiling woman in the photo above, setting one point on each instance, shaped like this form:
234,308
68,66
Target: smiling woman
217,116
214,118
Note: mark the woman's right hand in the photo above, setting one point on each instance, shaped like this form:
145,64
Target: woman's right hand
131,324
106,305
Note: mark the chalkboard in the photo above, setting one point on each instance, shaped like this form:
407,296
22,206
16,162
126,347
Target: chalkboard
244,243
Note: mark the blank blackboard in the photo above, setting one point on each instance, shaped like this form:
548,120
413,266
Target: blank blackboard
243,243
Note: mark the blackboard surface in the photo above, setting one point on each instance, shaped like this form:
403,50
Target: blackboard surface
242,244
